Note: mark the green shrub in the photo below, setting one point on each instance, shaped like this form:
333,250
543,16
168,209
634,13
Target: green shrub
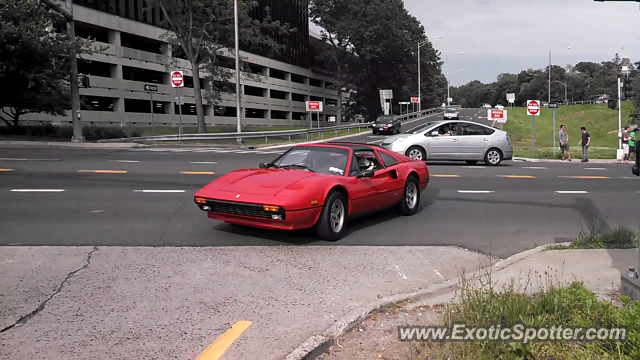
65,132
482,303
619,238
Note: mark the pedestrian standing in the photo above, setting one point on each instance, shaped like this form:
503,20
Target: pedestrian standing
564,142
625,145
585,142
633,137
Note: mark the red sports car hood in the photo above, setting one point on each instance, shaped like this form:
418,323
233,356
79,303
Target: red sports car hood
267,182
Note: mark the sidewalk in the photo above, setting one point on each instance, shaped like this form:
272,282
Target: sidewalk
82,145
577,160
374,334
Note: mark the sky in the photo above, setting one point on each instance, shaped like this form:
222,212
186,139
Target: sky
499,36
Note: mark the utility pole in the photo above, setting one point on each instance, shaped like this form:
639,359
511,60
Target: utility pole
239,110
67,12
549,85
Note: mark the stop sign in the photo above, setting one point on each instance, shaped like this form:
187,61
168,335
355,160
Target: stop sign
533,107
177,79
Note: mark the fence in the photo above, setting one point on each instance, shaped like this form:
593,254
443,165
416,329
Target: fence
286,134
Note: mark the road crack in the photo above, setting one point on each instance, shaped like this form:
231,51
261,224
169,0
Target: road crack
25,318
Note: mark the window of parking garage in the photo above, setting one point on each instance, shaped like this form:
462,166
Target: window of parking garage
298,116
225,87
256,69
277,94
254,91
279,115
97,103
144,106
229,111
255,113
142,75
226,62
315,98
297,97
329,85
188,82
140,43
187,109
89,31
277,74
94,68
297,78
315,82
331,102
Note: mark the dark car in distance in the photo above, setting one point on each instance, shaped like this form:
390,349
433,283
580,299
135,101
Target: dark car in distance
386,124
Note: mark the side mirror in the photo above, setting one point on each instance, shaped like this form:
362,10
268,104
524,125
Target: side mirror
434,133
263,165
366,174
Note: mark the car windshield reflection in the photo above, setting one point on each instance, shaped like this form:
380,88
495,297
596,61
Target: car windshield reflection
323,160
421,128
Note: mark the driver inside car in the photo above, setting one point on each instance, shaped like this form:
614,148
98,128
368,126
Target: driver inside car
365,164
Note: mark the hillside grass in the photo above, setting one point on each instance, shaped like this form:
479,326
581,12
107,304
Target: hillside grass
600,121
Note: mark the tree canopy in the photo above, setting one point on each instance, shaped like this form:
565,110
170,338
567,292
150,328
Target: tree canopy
376,48
203,32
584,81
34,61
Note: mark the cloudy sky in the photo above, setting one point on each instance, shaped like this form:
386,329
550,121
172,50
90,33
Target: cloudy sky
499,36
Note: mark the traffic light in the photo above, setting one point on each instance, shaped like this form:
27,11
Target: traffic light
84,81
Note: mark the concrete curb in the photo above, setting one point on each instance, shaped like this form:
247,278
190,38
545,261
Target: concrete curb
593,161
319,344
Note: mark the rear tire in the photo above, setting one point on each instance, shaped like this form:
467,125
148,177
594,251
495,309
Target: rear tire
493,157
410,202
333,220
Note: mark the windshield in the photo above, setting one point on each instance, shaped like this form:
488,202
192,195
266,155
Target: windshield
450,110
421,128
324,160
384,119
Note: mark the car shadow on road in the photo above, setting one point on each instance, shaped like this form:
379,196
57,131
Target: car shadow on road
461,163
308,236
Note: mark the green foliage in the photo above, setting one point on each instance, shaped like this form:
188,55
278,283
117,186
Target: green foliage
50,131
540,300
203,31
378,48
598,237
34,61
585,81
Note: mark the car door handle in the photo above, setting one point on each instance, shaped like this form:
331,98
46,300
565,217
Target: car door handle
454,140
486,140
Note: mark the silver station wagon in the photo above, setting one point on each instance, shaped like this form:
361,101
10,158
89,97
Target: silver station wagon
456,140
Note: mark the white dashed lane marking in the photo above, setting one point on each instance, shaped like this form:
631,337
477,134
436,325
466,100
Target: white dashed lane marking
124,161
204,162
599,169
38,190
572,192
535,167
475,191
21,159
159,191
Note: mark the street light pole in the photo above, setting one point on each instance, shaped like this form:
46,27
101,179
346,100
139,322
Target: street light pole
549,84
239,110
419,90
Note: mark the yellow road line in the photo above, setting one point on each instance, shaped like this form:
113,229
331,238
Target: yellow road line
6,170
197,172
103,171
446,175
217,348
585,177
517,176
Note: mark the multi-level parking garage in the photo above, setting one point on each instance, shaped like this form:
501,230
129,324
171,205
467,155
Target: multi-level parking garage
134,56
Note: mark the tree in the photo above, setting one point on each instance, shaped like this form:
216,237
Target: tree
338,20
34,61
204,31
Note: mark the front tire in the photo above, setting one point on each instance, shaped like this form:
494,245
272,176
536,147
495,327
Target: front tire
493,157
411,197
332,223
416,153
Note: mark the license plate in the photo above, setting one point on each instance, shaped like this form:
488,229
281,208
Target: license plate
381,129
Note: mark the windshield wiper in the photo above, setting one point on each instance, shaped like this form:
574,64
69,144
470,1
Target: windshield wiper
296,165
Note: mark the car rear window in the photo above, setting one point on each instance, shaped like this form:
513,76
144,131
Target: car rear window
450,110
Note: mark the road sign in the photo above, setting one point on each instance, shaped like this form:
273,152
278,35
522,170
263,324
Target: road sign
499,116
314,105
511,98
177,79
552,106
533,107
150,88
415,99
404,103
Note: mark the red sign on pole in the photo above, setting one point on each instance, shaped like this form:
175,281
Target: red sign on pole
533,107
177,79
415,99
314,105
497,114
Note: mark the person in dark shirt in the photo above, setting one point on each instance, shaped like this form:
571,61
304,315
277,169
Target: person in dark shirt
585,142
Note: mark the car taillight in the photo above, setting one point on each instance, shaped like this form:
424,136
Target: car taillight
508,141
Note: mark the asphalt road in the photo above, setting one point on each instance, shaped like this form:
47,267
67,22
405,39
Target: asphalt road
124,271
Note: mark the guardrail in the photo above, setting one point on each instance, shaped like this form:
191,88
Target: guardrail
265,134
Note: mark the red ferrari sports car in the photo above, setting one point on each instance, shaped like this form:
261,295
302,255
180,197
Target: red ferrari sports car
317,185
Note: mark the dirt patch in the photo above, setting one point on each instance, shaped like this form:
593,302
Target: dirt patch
572,116
377,336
